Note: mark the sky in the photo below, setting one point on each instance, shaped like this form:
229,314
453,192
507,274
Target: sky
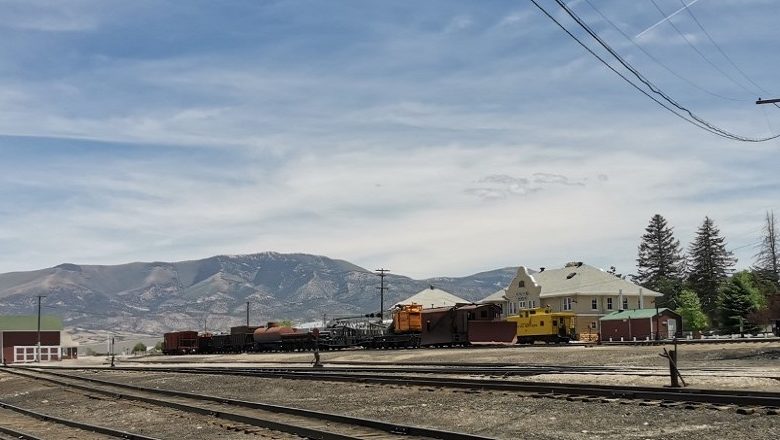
436,138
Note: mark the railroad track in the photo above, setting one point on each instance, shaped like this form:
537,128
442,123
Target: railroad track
679,395
470,370
85,427
301,422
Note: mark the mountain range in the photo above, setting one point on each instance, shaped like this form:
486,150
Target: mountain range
211,293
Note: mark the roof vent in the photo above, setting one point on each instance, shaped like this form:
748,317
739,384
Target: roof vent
431,286
579,263
571,275
541,269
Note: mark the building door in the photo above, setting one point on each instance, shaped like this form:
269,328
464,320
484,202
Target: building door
671,326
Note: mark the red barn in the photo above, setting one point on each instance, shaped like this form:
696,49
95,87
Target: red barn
19,338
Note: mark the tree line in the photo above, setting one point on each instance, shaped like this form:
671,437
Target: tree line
702,285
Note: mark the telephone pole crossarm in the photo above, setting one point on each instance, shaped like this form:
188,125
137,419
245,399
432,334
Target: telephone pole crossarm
768,101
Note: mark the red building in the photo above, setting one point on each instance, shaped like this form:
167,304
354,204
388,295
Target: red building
641,324
19,339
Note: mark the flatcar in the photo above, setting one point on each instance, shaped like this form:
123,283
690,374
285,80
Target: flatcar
542,324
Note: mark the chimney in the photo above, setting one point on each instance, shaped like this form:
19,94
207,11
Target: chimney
431,286
641,299
620,300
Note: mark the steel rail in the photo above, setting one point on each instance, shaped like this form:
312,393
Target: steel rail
20,435
736,397
389,428
80,425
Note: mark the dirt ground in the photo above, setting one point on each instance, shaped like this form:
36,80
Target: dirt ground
500,414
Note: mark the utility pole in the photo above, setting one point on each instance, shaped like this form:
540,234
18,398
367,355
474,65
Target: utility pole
247,313
382,274
767,101
38,348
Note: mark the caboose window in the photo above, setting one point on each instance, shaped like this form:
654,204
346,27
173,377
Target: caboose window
483,314
541,323
555,323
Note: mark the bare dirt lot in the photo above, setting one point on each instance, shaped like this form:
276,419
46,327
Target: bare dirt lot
501,414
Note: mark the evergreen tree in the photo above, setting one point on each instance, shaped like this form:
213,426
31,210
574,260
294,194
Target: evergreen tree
768,257
660,257
710,265
690,310
738,299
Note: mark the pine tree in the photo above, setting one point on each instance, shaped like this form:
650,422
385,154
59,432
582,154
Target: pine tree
660,257
738,299
768,257
710,265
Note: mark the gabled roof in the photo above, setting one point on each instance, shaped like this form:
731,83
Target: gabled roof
635,314
498,296
432,298
30,323
587,280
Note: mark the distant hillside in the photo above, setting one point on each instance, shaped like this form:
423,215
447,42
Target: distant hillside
155,297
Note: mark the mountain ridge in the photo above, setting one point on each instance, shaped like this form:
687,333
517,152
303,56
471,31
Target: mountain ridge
211,293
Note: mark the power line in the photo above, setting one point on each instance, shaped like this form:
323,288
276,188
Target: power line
659,62
722,52
692,118
655,89
609,66
696,49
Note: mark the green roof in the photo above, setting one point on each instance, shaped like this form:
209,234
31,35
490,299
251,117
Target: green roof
633,314
30,323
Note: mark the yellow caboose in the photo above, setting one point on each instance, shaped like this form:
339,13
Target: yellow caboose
542,324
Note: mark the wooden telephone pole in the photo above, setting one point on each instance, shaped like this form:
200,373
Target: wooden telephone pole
382,274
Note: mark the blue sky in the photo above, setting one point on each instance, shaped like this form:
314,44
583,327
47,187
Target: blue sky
433,138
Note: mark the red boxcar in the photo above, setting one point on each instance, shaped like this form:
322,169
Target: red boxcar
185,342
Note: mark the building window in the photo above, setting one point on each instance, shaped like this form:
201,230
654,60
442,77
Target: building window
609,303
567,303
522,304
593,325
625,303
533,303
594,304
521,283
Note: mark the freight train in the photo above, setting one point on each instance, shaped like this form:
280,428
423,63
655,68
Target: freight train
411,327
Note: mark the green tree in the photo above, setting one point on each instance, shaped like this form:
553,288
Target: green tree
767,264
693,317
710,265
139,348
158,346
660,262
738,299
672,289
